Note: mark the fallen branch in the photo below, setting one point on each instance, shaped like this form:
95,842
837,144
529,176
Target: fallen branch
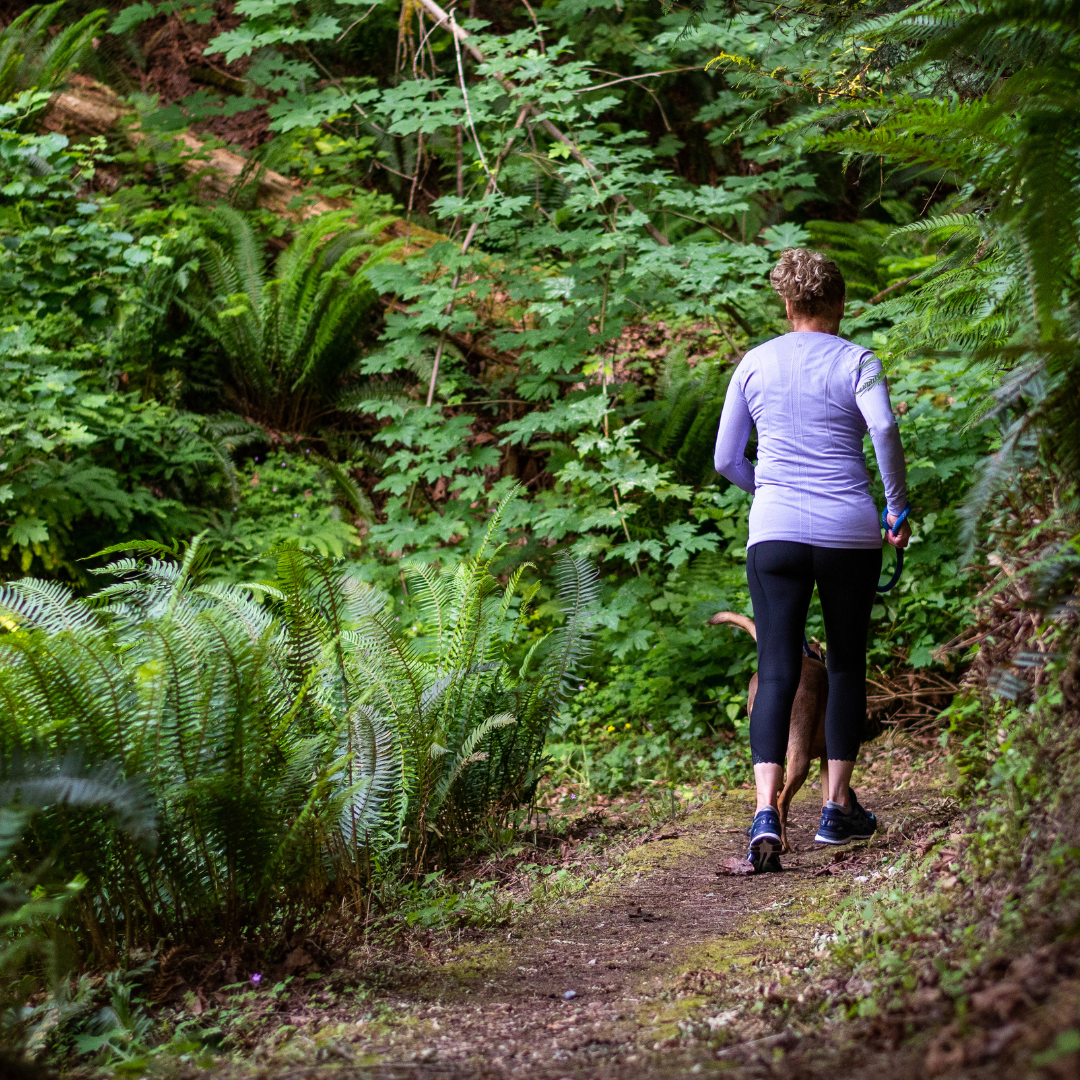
87,107
878,297
784,1038
633,78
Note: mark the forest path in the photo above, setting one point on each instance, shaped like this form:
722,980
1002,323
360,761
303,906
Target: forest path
669,963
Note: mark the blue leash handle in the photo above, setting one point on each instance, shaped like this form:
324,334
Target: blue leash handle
899,551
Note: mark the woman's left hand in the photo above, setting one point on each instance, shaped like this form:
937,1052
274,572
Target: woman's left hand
898,539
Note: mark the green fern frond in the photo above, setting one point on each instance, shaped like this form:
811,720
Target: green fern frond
357,498
32,57
467,755
46,605
945,224
40,782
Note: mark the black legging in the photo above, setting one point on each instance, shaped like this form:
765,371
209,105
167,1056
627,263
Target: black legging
781,575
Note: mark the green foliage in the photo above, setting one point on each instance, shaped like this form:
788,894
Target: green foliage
584,229
917,930
80,463
665,699
1003,291
307,735
280,741
289,339
283,499
168,670
471,719
61,253
936,402
36,954
31,57
189,686
83,461
574,243
311,732
681,423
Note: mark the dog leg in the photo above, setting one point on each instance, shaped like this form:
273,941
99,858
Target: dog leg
782,804
824,779
798,770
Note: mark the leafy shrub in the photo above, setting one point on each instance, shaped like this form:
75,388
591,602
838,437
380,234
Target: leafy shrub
35,953
83,464
32,57
189,686
283,498
280,740
681,423
85,459
472,724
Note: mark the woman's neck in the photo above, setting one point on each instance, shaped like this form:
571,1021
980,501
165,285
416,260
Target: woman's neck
827,322
815,324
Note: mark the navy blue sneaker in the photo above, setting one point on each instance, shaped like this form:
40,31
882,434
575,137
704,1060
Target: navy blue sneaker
765,843
838,827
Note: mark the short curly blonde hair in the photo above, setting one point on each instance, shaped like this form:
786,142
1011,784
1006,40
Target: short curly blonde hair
812,282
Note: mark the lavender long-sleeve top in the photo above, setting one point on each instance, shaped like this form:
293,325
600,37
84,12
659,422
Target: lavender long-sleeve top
811,397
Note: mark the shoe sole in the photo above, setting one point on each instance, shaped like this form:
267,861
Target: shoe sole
763,848
819,839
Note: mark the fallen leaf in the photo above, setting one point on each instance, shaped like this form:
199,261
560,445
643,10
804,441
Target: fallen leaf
735,866
840,863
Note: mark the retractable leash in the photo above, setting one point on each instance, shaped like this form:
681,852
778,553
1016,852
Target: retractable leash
899,551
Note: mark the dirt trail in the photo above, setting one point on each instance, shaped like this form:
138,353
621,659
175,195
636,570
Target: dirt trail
669,965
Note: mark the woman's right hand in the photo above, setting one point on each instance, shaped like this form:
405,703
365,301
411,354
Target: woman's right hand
898,539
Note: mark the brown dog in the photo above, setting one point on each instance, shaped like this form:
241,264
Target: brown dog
806,739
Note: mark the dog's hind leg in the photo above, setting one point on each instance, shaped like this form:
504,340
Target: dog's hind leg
824,779
798,768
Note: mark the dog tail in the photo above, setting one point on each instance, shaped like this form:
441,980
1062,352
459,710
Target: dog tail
743,621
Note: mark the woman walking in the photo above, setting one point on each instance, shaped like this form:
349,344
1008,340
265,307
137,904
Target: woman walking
812,396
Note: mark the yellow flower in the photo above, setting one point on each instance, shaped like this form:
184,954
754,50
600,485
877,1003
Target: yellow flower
627,725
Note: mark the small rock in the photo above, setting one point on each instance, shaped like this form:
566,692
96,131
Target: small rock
569,995
721,1020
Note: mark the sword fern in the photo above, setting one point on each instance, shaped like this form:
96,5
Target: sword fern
278,729
289,336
